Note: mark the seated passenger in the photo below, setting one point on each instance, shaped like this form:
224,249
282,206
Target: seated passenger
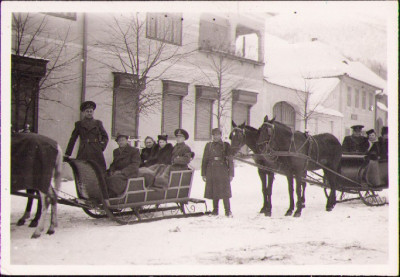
165,150
149,153
356,143
181,157
124,166
373,147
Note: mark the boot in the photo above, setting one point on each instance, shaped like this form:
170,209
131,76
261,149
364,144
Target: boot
215,207
227,206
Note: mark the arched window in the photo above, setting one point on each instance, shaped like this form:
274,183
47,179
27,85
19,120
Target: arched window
285,114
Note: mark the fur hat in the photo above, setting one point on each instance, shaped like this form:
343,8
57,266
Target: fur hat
87,105
370,131
216,131
163,137
120,136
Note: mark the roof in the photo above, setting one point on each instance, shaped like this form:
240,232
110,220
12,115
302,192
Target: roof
313,59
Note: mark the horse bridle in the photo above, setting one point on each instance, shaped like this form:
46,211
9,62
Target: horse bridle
271,136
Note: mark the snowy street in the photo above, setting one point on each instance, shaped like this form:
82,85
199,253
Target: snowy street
352,234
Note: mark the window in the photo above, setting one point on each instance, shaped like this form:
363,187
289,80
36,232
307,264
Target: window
371,101
357,99
25,78
205,97
173,93
214,33
247,43
364,100
285,114
165,27
349,96
125,105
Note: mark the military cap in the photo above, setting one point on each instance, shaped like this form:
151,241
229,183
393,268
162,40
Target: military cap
370,131
216,131
87,105
182,133
384,130
357,127
163,137
121,136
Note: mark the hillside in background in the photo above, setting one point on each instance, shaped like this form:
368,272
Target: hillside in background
358,35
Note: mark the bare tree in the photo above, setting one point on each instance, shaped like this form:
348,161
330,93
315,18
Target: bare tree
39,43
130,46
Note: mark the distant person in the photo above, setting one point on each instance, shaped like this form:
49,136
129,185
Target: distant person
217,171
93,137
125,165
149,152
356,143
384,143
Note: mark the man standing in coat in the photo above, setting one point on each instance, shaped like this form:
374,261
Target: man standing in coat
93,137
356,143
383,143
124,166
217,171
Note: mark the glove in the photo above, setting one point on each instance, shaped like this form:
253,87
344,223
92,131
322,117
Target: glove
204,178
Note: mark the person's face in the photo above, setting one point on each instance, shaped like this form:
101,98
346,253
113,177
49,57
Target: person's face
357,133
180,138
149,143
88,113
122,142
217,137
162,143
372,137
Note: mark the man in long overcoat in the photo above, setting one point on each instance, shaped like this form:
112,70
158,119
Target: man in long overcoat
124,166
356,143
217,171
93,137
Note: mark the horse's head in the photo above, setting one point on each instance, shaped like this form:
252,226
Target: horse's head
237,137
266,135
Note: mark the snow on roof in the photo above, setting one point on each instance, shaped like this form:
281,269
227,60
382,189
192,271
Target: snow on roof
324,110
313,59
381,106
319,88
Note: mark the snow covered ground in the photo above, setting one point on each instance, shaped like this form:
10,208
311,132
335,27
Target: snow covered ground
353,236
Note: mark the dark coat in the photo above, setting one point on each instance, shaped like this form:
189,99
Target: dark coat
149,155
373,152
353,144
164,154
93,141
181,157
217,166
33,158
383,148
126,160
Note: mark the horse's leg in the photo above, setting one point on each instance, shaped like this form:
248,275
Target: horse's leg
27,213
291,199
299,203
53,192
303,194
45,205
268,212
38,214
262,174
331,202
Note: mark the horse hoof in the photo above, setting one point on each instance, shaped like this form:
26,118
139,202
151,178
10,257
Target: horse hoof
263,210
35,236
268,213
288,213
20,222
297,214
50,232
33,224
329,209
303,205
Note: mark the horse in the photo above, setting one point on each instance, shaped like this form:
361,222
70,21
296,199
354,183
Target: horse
35,160
246,135
304,152
27,213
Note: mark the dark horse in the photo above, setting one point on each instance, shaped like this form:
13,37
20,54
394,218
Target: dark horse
325,149
247,135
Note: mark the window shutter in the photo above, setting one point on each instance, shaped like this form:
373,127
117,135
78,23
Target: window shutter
171,114
203,118
125,108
